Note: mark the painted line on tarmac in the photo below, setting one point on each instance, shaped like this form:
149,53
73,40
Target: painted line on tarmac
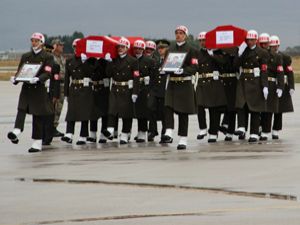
265,195
139,216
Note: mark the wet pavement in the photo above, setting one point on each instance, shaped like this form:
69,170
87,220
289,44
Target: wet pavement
222,183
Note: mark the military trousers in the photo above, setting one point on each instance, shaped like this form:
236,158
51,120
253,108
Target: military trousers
127,123
277,123
37,127
84,130
229,119
201,118
266,121
183,121
142,125
254,119
20,120
48,128
94,124
214,120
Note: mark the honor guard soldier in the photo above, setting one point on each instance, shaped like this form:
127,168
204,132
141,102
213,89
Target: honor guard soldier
285,102
252,86
275,86
101,85
229,78
33,98
210,91
151,50
146,69
57,52
180,94
79,94
125,76
157,92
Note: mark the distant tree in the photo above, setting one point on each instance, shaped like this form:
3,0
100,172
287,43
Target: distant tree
67,39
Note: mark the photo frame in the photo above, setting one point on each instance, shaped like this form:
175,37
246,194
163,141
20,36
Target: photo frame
174,61
28,71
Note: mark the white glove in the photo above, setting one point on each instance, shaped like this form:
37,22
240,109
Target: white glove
210,52
107,57
162,72
66,98
242,48
292,91
266,92
279,93
179,71
34,80
134,98
83,57
13,79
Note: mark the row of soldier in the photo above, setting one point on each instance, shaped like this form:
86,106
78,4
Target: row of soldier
237,82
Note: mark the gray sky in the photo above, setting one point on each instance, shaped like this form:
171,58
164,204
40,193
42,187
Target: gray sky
152,18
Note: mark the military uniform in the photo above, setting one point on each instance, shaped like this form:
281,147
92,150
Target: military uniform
142,113
180,95
78,90
253,78
157,98
33,98
229,78
125,82
275,81
285,102
210,89
101,86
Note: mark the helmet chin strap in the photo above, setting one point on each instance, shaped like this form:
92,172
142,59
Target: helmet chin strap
38,48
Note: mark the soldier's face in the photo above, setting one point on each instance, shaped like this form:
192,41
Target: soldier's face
149,51
274,48
180,36
58,48
251,42
35,42
264,45
138,51
121,49
202,43
162,51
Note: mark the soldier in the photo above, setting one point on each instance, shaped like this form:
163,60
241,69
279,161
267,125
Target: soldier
210,90
252,86
275,86
79,95
58,48
146,69
150,49
180,95
157,92
229,79
101,84
285,102
53,89
125,76
33,98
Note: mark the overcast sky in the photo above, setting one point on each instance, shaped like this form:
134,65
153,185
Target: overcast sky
152,18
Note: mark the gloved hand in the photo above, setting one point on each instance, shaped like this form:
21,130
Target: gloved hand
13,79
266,92
162,72
179,71
134,98
242,48
210,52
83,57
292,91
66,99
34,80
107,57
279,92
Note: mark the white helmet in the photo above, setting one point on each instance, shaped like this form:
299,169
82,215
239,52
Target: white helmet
202,35
274,40
74,43
183,28
264,38
151,44
139,44
38,36
252,34
124,42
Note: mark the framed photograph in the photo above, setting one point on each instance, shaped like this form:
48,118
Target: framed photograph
174,61
28,71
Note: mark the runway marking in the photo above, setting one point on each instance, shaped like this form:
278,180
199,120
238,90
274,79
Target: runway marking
265,195
139,216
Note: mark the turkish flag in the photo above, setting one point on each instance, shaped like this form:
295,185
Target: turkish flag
227,36
99,46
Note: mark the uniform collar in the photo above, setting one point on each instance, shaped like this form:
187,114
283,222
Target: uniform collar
180,43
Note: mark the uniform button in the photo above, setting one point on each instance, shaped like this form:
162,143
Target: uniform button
246,63
245,79
74,70
117,73
159,82
117,90
123,73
